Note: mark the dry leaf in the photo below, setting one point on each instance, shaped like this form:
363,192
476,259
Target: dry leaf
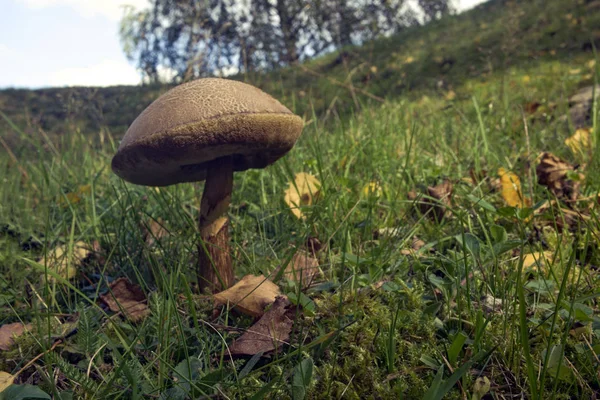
451,95
372,189
9,331
491,303
6,380
128,298
302,192
511,189
552,173
302,268
435,208
250,295
415,246
272,331
74,197
537,261
580,142
63,264
155,231
409,60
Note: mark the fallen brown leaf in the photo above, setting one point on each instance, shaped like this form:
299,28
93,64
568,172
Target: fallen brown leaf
250,295
271,332
128,298
302,268
154,231
552,173
9,331
436,206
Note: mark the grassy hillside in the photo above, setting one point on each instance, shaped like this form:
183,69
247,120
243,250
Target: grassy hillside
452,257
443,56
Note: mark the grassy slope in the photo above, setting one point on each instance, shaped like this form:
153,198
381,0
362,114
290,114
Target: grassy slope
418,137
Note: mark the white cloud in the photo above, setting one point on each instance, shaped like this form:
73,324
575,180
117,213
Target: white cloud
112,9
107,73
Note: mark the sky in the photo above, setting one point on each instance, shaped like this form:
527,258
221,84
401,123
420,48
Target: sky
49,43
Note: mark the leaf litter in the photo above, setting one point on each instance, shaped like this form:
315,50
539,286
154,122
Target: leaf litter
270,333
8,332
123,296
250,296
303,191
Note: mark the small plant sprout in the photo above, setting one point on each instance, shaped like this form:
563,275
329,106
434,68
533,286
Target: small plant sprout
206,130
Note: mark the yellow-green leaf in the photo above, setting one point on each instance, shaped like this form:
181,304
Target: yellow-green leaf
302,192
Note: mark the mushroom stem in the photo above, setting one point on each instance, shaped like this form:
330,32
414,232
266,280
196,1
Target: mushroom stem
215,271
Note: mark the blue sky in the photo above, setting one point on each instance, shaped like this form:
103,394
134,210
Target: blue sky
69,42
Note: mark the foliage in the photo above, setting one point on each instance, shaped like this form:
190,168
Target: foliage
194,39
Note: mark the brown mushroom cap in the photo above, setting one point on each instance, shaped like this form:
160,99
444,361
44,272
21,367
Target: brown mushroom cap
177,136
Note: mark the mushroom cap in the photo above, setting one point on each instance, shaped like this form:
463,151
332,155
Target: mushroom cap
176,138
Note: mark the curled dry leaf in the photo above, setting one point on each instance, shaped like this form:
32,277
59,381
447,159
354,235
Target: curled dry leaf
250,295
271,332
302,268
128,298
6,380
552,172
435,206
9,331
64,264
511,189
302,192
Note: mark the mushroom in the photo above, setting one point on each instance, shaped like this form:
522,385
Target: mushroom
205,130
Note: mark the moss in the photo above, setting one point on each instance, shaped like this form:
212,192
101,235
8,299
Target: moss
357,362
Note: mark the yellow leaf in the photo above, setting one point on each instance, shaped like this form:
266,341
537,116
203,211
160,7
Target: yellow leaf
250,295
451,95
74,197
372,189
6,380
591,64
537,260
409,60
374,69
511,189
576,71
580,142
526,79
63,264
302,192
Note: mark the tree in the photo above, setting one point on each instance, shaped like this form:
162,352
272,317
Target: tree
193,38
435,9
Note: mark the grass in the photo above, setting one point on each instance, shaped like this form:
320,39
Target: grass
387,320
